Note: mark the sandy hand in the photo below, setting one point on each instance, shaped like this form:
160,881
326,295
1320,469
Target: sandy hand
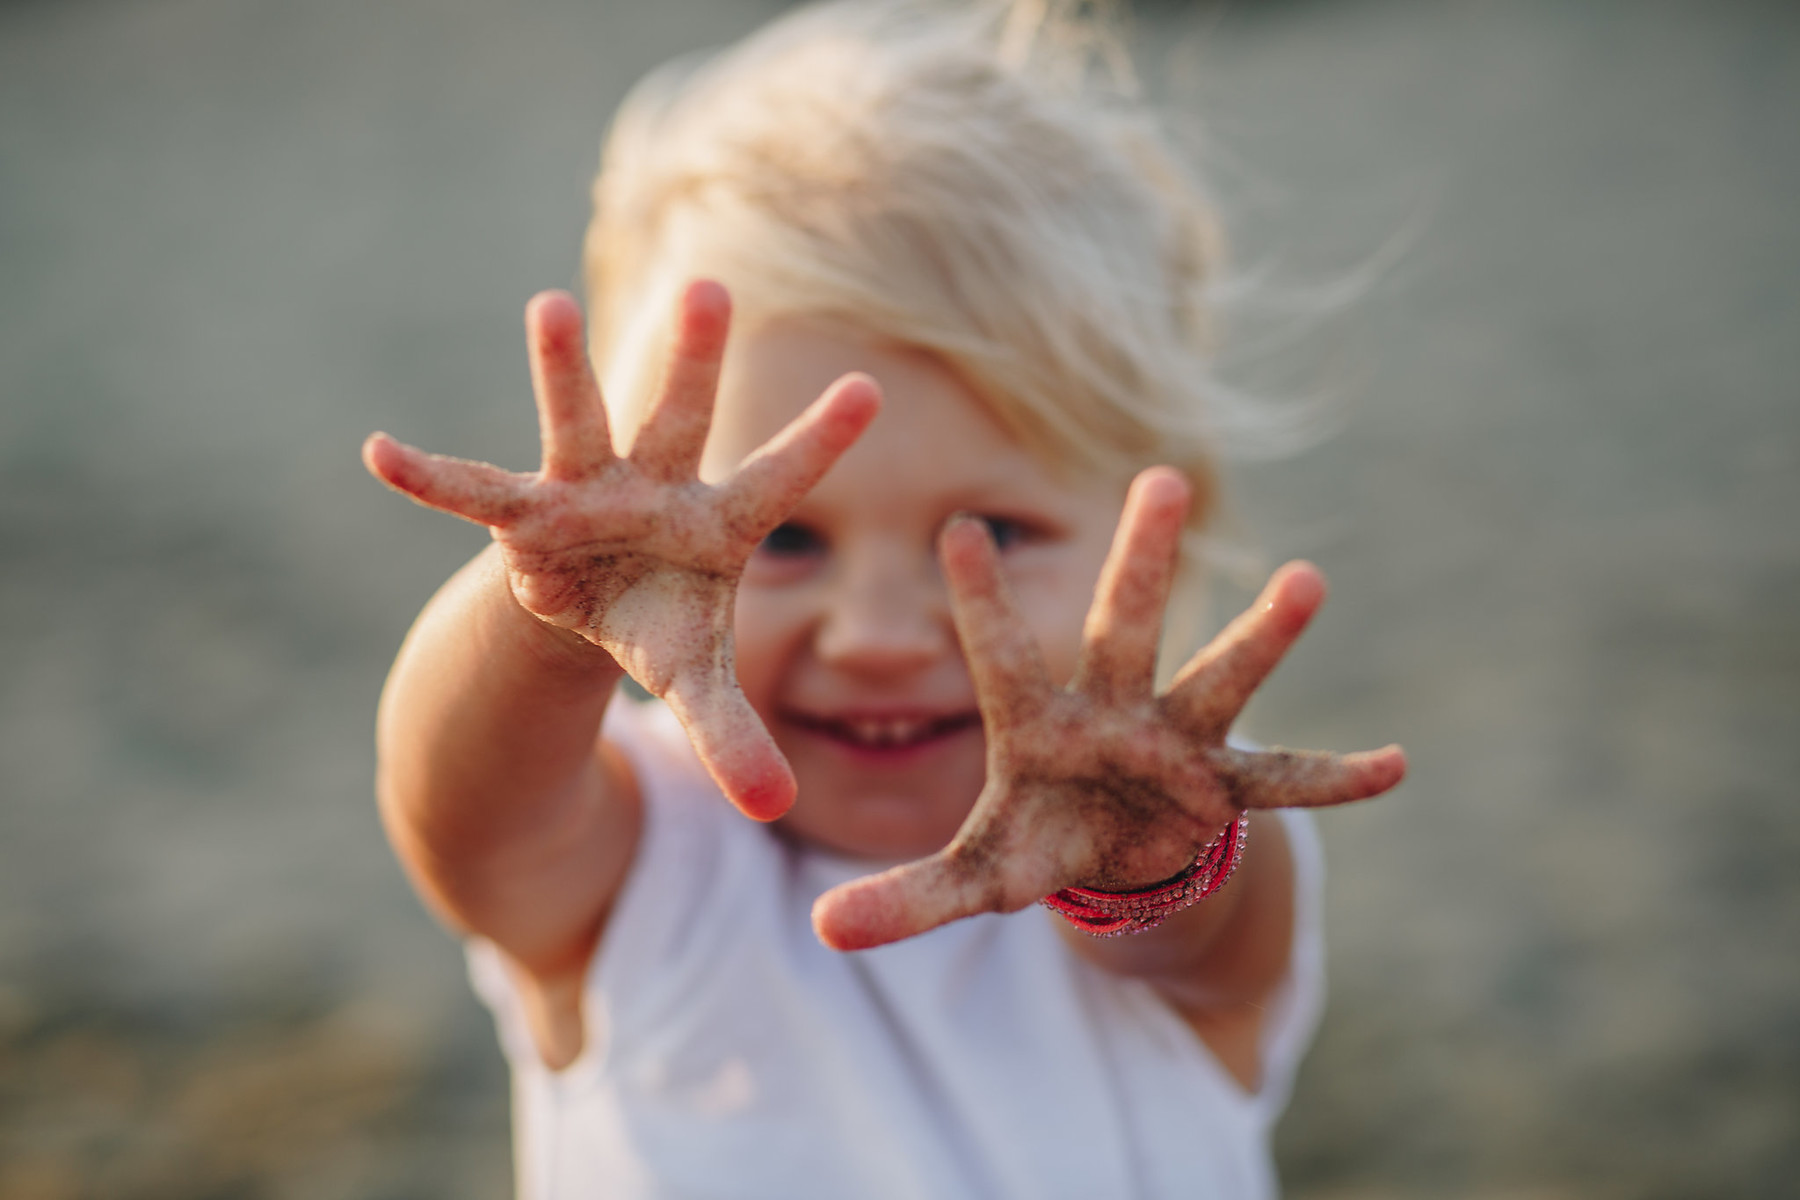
1103,783
636,554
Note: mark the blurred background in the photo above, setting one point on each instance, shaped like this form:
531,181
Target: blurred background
1562,522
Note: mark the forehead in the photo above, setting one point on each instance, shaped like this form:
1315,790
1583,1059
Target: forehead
930,421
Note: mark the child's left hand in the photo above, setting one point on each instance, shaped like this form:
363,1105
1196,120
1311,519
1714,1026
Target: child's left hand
1103,783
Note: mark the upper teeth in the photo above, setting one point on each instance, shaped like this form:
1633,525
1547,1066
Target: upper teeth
885,731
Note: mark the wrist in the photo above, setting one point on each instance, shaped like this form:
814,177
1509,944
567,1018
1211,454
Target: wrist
1109,913
552,647
560,647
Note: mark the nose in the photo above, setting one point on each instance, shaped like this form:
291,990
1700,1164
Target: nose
887,614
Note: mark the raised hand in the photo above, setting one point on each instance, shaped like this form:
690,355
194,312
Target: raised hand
1103,783
635,553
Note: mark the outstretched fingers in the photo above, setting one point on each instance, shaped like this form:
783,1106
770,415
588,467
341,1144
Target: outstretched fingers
766,487
1278,778
474,491
672,437
1124,625
571,417
1003,659
1216,683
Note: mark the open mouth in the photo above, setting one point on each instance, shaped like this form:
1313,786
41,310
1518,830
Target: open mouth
886,733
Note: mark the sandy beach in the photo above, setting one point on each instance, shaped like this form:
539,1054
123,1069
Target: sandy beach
1561,518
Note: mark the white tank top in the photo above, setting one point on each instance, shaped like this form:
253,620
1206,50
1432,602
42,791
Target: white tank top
729,1054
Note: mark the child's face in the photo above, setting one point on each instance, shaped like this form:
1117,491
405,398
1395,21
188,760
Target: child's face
845,643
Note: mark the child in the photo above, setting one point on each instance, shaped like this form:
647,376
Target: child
874,626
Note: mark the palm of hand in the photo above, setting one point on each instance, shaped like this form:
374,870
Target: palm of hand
1102,783
635,553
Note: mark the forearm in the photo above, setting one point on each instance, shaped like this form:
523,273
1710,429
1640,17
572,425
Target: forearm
1230,949
491,782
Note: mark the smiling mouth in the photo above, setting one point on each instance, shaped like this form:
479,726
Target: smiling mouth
885,732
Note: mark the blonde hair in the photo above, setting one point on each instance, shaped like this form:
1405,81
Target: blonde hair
981,181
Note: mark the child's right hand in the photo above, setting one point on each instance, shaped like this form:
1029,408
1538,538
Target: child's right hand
636,554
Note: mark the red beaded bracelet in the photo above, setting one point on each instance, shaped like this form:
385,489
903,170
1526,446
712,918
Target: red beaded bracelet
1109,914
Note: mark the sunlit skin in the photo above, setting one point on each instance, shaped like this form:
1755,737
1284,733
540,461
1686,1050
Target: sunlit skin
944,646
851,627
635,553
846,642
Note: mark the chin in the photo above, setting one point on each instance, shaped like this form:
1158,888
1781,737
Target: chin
878,827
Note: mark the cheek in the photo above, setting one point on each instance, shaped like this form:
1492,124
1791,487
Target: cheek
1054,594
1055,612
767,634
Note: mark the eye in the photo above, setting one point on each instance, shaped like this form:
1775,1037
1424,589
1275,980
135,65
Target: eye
1005,531
789,540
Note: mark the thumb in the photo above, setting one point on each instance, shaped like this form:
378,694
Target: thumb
906,901
735,747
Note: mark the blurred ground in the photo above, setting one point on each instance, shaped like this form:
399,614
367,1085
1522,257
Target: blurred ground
1563,525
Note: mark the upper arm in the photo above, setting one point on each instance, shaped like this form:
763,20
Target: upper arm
545,905
542,897
513,817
